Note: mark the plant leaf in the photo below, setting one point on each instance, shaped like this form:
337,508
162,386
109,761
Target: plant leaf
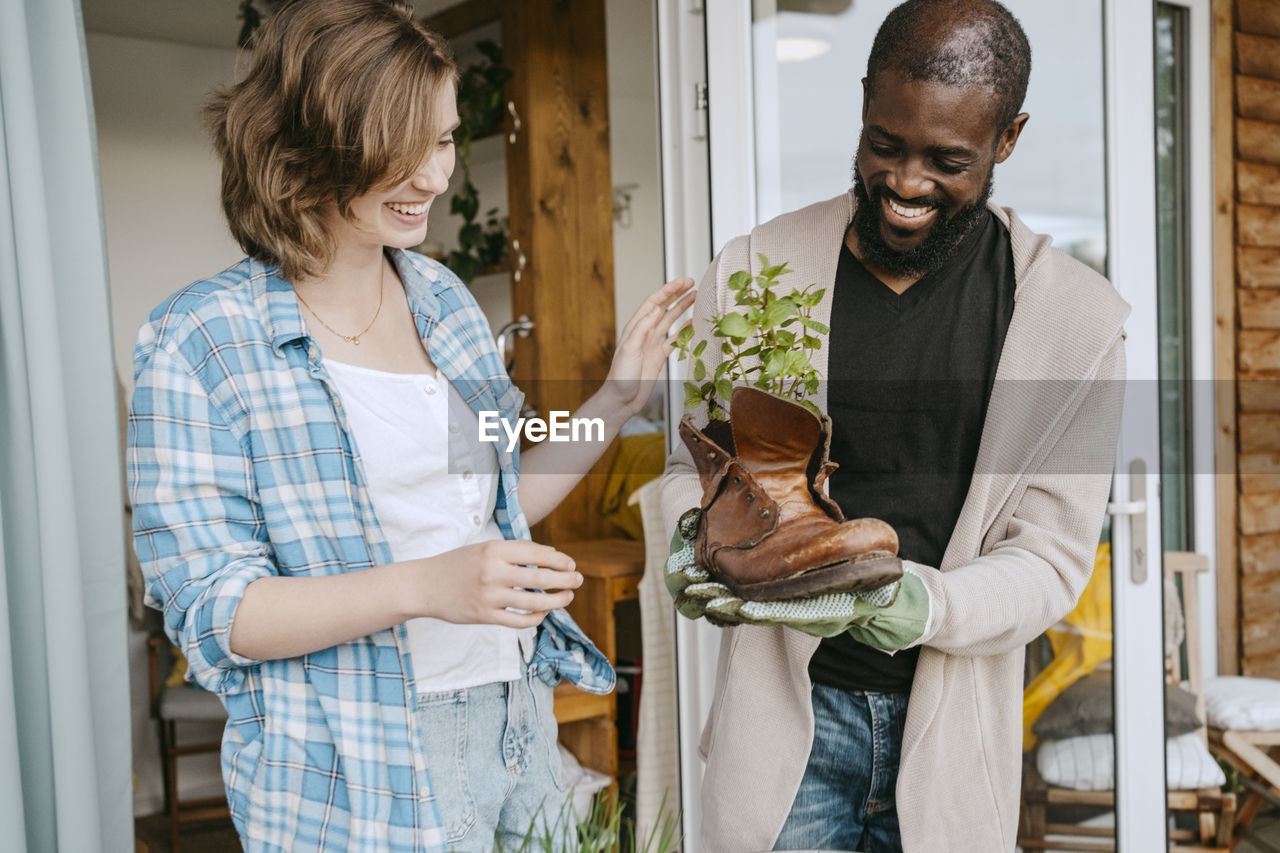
684,336
816,326
702,345
777,312
739,280
774,362
692,396
796,363
733,325
699,370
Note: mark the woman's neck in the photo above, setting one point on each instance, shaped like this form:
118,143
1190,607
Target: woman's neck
352,279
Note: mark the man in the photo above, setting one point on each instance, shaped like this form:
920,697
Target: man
973,381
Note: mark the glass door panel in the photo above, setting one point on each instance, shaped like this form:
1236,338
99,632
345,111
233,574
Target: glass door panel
784,119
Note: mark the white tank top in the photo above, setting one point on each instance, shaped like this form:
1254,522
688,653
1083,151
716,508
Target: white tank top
434,487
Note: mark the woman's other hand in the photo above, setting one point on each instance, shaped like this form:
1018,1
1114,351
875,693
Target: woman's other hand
643,345
493,583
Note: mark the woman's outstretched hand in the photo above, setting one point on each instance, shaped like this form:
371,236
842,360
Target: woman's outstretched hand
643,345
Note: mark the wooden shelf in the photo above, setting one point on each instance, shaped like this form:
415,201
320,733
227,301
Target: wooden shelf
611,570
573,705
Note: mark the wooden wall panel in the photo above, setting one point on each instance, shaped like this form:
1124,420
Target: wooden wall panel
1257,141
1259,309
1259,636
1258,395
1259,351
1259,267
1259,433
1260,513
1257,464
1260,17
1258,98
1247,249
1259,183
1259,553
1224,345
1258,56
1262,666
1260,472
1261,595
1257,224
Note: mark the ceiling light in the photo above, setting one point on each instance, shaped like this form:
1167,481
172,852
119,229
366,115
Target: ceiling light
795,49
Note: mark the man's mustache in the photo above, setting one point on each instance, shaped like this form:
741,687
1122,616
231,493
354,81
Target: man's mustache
921,201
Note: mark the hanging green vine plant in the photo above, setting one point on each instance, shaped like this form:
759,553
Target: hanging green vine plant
480,113
251,16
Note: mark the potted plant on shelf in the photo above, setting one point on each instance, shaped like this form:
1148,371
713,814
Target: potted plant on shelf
481,245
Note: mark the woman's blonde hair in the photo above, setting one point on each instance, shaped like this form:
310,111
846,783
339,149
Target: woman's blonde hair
340,99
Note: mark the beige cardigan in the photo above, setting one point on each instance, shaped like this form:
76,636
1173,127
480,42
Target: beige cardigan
1019,557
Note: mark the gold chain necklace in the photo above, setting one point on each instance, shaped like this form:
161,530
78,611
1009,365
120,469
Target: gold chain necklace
351,339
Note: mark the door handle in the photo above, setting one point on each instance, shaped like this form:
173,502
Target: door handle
515,123
1136,509
521,326
519,261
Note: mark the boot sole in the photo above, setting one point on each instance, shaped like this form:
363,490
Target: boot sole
869,571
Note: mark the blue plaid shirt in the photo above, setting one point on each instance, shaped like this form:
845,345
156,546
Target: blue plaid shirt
241,466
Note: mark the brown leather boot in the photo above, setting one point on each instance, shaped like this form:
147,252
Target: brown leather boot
768,532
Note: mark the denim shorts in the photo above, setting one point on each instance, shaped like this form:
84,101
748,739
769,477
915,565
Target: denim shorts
494,763
846,798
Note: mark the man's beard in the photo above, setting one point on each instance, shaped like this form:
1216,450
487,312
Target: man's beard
938,246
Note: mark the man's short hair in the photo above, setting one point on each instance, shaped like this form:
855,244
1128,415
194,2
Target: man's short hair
957,43
340,98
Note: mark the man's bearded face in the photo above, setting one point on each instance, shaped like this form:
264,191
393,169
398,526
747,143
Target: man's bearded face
923,171
939,241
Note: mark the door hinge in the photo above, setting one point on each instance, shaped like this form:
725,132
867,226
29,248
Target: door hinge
700,110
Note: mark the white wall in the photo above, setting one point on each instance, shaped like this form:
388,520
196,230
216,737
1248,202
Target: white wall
164,230
159,176
633,140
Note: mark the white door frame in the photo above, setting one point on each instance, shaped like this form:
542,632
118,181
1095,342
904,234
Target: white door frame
687,249
1137,606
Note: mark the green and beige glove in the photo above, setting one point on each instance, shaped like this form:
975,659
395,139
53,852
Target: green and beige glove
892,617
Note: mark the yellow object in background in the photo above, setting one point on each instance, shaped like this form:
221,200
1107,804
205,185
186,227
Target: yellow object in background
178,673
1080,642
640,459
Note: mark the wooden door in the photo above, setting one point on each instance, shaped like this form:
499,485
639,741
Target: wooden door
560,204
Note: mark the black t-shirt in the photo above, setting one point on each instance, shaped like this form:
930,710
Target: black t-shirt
908,384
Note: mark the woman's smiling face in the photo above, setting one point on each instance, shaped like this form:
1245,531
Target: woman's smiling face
397,216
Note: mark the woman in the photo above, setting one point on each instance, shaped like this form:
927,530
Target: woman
336,552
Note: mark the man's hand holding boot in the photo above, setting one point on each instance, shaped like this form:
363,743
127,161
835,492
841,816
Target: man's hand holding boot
890,618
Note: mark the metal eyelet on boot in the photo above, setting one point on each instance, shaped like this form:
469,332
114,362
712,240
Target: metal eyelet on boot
750,497
737,481
764,513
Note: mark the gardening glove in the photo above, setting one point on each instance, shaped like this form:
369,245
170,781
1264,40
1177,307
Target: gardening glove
890,618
